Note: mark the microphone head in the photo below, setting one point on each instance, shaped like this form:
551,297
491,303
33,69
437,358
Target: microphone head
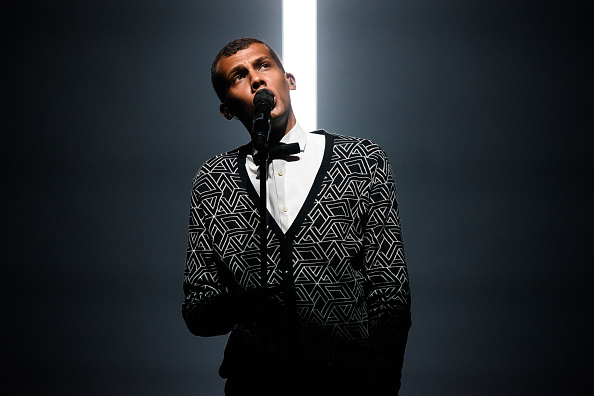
264,97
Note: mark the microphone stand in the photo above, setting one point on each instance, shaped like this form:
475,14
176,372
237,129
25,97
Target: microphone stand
263,171
263,102
260,143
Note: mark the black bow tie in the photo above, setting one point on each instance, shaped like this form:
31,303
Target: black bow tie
279,151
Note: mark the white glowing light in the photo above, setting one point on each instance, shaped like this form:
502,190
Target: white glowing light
300,57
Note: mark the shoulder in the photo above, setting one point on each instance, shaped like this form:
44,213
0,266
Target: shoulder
350,146
224,163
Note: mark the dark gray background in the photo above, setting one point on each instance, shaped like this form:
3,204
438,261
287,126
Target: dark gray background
484,109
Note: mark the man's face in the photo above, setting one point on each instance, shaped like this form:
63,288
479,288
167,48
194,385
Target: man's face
246,72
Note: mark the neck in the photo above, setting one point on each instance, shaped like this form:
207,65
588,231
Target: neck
279,126
282,127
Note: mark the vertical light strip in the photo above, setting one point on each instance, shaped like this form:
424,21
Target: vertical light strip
299,57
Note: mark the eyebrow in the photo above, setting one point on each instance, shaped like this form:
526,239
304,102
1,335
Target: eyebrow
241,67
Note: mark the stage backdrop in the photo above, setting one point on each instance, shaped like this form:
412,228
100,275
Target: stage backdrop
482,108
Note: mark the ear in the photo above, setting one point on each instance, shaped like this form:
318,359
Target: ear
225,111
291,81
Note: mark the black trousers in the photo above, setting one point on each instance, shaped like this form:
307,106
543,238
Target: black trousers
310,381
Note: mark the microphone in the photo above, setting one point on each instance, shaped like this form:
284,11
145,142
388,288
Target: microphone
263,102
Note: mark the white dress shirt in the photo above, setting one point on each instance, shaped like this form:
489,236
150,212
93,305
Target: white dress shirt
289,181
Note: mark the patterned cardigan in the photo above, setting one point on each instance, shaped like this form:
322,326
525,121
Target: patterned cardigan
341,263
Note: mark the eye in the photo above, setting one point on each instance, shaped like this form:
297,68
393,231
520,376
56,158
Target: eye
238,77
264,65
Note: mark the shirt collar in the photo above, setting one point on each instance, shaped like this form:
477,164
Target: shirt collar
296,135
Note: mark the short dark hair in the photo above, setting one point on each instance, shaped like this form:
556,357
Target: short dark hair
218,81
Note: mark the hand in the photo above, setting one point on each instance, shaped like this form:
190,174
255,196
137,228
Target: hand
256,309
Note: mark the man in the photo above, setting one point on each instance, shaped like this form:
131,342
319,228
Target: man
335,315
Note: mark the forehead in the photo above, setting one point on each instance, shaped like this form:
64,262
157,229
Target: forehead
243,57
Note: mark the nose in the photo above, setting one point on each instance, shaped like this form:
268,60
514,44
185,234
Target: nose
257,81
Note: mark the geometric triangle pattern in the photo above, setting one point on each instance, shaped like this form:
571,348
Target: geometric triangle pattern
341,264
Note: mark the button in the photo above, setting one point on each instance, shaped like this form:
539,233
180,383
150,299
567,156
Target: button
285,209
280,173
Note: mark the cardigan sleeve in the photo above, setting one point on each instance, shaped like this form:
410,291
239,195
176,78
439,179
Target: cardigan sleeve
205,309
388,295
